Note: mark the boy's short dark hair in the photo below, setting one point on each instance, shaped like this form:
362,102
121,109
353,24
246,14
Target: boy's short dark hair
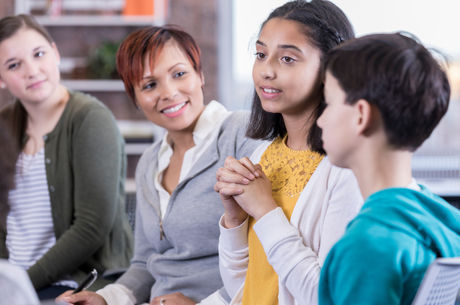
398,75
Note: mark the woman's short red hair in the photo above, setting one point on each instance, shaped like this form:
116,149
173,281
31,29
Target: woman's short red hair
151,40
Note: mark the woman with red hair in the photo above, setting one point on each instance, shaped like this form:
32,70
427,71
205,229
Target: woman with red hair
176,232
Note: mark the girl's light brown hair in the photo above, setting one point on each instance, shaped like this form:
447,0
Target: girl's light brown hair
150,41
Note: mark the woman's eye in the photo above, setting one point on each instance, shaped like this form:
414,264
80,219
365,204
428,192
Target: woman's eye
39,54
259,55
287,59
149,85
179,74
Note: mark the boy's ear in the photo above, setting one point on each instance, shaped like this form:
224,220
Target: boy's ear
365,117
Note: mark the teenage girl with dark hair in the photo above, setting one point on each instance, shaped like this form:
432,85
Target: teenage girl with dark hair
297,202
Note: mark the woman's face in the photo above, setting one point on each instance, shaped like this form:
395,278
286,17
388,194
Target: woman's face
170,93
286,68
29,66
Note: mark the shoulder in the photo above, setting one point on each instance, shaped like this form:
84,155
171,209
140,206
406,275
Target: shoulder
337,176
82,104
87,110
233,127
149,157
236,121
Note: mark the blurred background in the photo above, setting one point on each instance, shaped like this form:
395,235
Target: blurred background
87,33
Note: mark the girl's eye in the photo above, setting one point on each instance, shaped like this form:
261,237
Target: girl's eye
179,74
39,54
259,55
13,66
149,85
287,59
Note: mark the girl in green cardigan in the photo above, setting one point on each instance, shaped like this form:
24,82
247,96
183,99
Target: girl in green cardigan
67,213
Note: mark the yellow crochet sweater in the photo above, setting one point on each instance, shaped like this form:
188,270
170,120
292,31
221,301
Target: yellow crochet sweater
289,171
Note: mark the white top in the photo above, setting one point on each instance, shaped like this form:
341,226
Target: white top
205,132
30,227
297,248
29,222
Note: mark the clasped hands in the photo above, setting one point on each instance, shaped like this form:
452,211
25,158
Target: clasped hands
245,190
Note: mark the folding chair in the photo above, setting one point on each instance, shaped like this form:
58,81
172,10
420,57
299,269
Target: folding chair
441,283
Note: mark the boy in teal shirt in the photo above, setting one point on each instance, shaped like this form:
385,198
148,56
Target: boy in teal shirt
385,94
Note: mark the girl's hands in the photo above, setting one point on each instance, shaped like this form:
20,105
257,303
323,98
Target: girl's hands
244,190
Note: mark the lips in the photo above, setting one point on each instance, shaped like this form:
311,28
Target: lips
35,85
269,92
174,110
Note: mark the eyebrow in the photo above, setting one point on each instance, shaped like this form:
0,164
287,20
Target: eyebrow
9,60
14,58
169,70
282,46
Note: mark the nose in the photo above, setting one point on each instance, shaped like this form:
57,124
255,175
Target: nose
31,69
168,90
267,69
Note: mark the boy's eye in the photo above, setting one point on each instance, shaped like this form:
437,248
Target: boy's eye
287,59
259,55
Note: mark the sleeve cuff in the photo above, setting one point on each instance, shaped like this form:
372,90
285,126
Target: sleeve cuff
268,236
117,294
235,238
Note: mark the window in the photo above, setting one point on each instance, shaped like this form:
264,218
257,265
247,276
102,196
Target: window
434,23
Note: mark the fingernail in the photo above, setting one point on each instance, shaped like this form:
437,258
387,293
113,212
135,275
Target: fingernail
245,181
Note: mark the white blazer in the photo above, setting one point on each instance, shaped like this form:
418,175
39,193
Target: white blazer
297,248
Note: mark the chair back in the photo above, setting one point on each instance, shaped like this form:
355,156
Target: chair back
441,283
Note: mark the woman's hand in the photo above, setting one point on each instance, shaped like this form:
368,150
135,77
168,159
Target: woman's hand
82,298
175,298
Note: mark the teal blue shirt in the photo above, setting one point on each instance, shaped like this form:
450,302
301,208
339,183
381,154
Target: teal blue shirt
386,249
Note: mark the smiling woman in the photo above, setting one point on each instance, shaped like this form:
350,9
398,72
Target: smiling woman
176,234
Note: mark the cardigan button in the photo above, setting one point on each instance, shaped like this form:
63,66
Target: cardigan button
48,161
51,188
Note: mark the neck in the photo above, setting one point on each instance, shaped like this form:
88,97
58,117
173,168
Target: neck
297,127
181,141
382,168
42,117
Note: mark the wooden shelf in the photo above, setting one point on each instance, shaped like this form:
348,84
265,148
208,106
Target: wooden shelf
98,20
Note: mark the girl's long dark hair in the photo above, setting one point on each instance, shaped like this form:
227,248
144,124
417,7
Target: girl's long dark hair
326,26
